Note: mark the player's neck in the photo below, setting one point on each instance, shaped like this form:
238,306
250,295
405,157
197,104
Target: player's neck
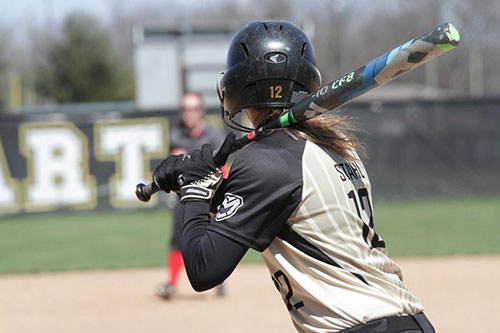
254,116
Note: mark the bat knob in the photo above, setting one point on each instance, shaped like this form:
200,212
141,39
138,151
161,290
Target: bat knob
141,193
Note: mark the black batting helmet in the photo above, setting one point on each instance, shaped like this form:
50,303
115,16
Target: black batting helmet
268,65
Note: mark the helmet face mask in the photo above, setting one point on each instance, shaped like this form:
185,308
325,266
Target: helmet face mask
268,65
219,86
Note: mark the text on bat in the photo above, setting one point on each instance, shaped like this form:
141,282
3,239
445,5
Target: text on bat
344,79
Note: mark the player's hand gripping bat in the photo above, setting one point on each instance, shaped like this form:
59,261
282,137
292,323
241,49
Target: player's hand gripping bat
345,88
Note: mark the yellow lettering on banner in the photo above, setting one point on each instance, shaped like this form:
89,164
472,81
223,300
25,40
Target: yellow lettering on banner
57,167
9,187
131,144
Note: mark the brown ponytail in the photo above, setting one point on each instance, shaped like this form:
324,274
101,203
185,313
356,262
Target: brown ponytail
333,131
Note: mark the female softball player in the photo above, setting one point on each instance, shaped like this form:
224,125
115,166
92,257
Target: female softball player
300,196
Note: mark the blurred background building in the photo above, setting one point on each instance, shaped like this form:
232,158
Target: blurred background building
433,132
171,60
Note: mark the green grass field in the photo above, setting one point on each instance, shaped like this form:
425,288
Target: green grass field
139,239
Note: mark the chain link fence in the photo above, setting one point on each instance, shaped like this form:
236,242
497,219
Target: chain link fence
438,148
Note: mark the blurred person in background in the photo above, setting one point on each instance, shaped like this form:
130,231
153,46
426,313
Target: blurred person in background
190,133
300,196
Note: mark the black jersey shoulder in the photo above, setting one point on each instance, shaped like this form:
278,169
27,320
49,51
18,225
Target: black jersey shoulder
263,189
275,153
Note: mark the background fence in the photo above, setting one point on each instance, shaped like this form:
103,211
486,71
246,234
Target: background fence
439,148
414,149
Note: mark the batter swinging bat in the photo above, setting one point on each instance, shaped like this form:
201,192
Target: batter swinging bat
345,88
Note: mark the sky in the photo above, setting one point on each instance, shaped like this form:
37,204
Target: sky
43,10
19,15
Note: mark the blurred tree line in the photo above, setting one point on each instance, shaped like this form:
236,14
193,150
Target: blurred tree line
80,65
75,63
85,59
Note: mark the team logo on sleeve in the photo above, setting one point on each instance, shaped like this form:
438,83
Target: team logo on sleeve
228,207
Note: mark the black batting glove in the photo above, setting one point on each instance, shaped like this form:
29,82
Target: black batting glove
165,175
201,173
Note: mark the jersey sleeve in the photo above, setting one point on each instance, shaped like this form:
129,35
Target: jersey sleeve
257,199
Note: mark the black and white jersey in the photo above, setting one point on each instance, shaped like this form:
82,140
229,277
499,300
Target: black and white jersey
309,212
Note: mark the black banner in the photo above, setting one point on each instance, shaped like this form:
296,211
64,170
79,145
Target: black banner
93,160
55,162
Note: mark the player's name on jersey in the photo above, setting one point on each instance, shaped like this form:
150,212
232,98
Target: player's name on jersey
349,171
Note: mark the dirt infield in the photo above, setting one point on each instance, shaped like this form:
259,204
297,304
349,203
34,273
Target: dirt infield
460,294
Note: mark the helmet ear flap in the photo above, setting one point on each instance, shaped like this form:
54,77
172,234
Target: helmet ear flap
220,91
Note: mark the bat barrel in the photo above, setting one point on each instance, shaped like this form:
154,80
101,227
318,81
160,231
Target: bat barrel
378,71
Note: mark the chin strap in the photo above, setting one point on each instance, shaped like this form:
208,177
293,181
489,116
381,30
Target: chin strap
233,125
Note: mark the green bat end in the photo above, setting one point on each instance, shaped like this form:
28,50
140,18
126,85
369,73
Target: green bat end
453,34
453,38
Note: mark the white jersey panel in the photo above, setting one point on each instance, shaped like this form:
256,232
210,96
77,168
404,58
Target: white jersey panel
361,283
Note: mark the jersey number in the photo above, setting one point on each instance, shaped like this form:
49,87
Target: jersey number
276,279
364,202
276,91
